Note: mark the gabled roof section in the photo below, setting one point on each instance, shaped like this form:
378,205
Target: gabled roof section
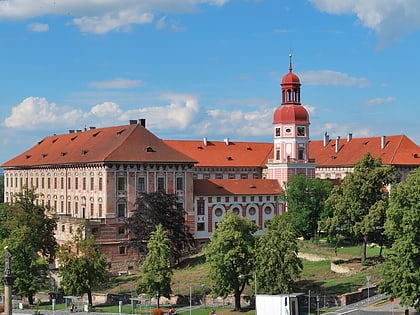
396,150
218,187
225,153
129,143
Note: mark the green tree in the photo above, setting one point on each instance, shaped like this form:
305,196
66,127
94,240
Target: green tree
358,204
82,265
276,262
28,231
305,199
1,188
400,273
156,272
157,208
230,254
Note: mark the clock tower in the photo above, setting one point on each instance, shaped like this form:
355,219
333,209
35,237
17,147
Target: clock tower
291,134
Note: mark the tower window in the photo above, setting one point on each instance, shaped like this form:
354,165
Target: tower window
278,131
300,153
301,131
277,154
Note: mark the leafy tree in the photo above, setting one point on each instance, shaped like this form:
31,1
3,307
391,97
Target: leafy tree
28,231
230,254
82,265
276,261
305,199
159,208
156,272
400,271
358,204
1,188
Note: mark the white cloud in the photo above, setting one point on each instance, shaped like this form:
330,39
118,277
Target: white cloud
91,17
390,19
380,101
38,27
35,113
328,77
118,83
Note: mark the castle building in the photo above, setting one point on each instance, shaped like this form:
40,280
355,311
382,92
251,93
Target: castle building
94,175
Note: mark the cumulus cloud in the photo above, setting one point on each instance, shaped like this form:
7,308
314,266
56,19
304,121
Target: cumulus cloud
390,19
110,15
328,77
177,112
380,101
38,27
118,83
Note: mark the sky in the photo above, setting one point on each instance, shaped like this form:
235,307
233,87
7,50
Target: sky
206,68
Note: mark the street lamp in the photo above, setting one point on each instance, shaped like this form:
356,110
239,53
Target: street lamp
317,304
368,285
201,285
255,281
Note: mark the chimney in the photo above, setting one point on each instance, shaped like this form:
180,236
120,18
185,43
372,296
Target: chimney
383,142
205,141
326,139
227,141
337,144
142,121
349,136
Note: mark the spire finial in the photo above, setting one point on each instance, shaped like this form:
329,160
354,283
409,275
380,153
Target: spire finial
290,57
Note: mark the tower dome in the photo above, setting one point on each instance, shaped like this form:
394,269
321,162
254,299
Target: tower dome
290,110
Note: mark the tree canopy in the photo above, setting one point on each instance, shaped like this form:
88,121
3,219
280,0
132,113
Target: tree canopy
156,272
157,208
27,229
230,254
276,262
400,273
359,203
305,199
82,265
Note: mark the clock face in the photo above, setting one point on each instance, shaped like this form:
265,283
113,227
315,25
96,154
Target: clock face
301,131
288,130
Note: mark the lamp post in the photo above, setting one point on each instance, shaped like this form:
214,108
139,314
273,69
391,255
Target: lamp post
317,304
201,285
309,303
368,286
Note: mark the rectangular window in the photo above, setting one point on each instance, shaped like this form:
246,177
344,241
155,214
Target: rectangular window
42,182
84,183
200,226
121,184
61,206
179,183
200,207
91,210
76,208
76,183
278,131
100,184
277,154
92,183
141,184
100,210
55,205
62,182
68,207
55,182
69,183
36,182
300,154
48,183
121,210
161,183
121,230
122,250
32,182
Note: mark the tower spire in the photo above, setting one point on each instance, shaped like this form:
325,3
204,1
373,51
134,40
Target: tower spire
290,57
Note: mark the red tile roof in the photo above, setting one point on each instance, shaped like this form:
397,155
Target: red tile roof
217,187
398,150
128,143
218,153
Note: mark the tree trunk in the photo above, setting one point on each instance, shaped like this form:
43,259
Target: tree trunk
30,299
90,302
363,253
237,301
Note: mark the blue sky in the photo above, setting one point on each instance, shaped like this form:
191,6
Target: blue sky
206,68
